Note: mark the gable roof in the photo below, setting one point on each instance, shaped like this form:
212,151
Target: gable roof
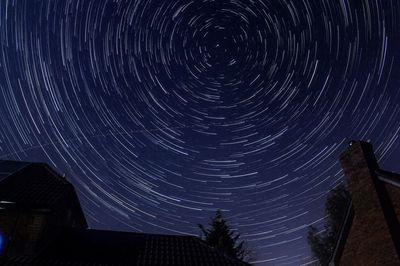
34,186
97,247
31,184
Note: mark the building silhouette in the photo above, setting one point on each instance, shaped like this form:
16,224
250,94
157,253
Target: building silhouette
42,223
370,233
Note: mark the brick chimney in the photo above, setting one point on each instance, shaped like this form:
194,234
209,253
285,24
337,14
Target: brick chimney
374,237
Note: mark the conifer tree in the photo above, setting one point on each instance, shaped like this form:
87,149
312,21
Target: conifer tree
220,236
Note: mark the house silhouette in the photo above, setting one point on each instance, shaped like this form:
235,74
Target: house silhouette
42,223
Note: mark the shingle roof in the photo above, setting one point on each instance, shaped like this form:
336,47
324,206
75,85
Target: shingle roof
97,247
36,186
31,184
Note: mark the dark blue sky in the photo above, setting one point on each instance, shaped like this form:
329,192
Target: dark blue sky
161,112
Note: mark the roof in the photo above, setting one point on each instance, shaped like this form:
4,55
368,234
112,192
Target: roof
97,247
388,177
29,184
34,186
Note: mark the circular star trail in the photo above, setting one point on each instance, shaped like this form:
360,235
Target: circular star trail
161,112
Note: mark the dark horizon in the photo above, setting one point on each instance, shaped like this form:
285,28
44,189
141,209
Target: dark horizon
161,112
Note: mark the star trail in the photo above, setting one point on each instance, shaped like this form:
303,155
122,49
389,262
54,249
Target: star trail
161,112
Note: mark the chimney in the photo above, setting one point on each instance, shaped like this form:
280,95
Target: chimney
374,236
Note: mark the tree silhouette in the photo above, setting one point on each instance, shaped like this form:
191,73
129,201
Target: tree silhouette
323,243
220,236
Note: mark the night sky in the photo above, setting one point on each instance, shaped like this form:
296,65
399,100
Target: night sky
160,112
